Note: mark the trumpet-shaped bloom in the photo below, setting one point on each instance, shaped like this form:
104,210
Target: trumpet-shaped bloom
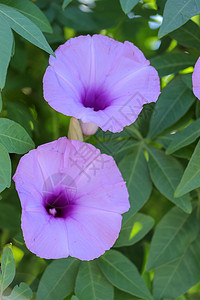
72,198
196,79
101,81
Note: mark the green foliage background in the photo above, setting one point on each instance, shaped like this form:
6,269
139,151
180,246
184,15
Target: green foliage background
157,255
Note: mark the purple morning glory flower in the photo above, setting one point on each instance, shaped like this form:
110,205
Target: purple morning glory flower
101,81
72,198
196,79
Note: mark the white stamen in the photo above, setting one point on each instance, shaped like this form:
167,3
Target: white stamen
52,211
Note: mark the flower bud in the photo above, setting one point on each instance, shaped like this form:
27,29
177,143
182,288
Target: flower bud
75,132
88,128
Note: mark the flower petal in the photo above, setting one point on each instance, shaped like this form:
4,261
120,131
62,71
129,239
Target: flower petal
98,80
113,198
44,235
196,79
91,232
35,168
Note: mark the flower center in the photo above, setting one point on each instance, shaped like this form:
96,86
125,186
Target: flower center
58,204
96,99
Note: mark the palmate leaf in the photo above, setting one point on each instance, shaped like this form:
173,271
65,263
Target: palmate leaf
65,271
172,104
91,283
166,173
128,5
175,253
135,172
175,278
7,269
177,13
123,274
191,176
24,27
31,11
6,41
134,229
118,148
14,137
170,63
184,137
172,235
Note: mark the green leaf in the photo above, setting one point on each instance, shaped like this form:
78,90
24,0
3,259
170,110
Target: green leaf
187,79
9,217
74,298
172,235
91,284
7,269
20,113
128,5
5,170
118,148
188,35
170,63
134,229
14,137
24,27
75,18
21,292
175,278
134,170
184,137
6,41
172,104
31,11
166,173
65,271
65,3
177,13
120,295
123,274
191,176
0,102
